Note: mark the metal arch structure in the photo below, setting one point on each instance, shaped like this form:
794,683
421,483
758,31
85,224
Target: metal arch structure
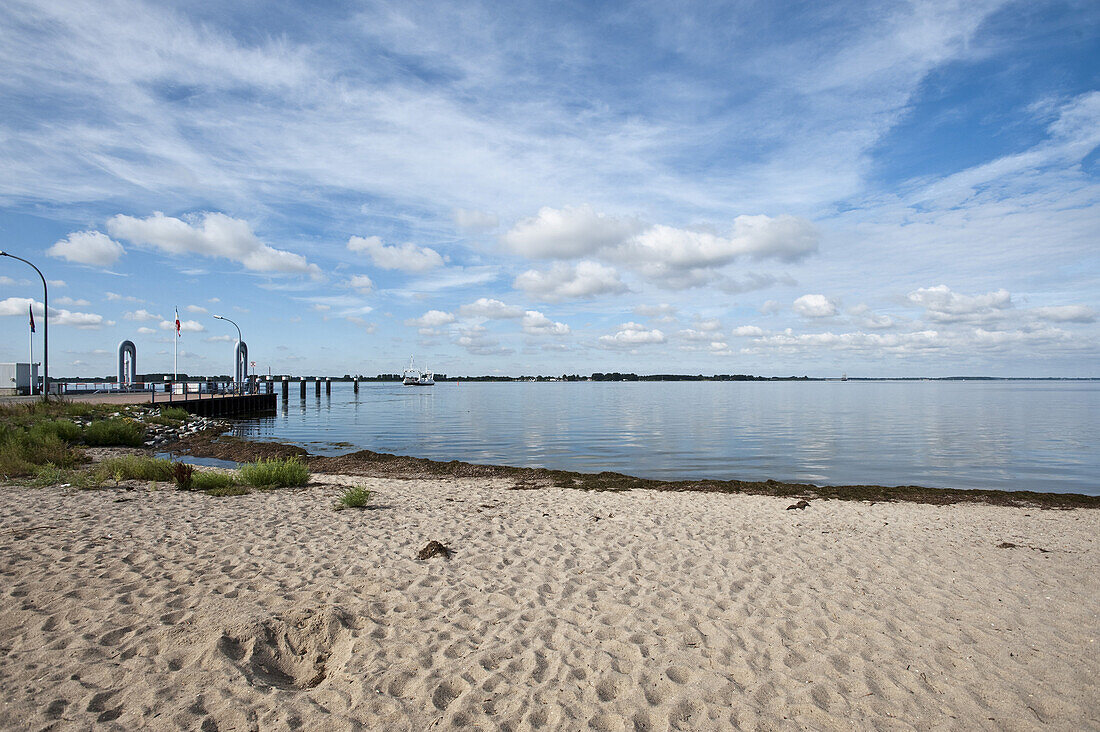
241,355
127,376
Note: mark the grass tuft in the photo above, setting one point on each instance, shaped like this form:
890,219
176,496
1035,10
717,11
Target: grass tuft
50,474
275,473
354,497
211,481
119,431
131,467
229,490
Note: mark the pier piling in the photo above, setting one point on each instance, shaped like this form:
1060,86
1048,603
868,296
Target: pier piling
286,390
317,387
328,387
303,384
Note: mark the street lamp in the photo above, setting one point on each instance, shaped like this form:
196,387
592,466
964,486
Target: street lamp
236,352
45,329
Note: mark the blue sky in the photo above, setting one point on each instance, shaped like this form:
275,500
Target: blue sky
798,188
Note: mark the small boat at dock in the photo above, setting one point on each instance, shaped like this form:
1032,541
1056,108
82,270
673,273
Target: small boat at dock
413,376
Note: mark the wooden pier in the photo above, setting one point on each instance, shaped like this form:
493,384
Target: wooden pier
225,405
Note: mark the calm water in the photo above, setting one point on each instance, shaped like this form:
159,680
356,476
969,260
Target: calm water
1042,436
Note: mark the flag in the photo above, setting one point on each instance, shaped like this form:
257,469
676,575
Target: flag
177,322
30,310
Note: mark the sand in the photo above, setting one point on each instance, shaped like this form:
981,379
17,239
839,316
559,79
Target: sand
559,609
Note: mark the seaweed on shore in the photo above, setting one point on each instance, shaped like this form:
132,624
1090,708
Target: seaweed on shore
384,465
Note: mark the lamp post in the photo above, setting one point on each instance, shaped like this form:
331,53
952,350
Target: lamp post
45,329
236,353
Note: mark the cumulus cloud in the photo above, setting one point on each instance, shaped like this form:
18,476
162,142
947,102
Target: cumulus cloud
186,326
485,307
1066,314
115,297
569,232
475,220
18,306
866,318
210,235
944,306
142,314
144,330
429,322
747,331
814,306
631,335
219,339
535,323
80,303
405,257
670,257
663,312
566,281
196,309
691,334
87,247
478,342
362,283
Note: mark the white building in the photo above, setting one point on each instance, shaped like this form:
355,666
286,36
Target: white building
16,378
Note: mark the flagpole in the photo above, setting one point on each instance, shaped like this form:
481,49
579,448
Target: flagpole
30,367
175,348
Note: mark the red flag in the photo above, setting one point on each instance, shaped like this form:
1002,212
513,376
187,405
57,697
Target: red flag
177,322
31,311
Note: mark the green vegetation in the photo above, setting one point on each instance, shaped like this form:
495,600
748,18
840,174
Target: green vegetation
23,450
354,497
230,490
275,473
50,474
117,431
169,417
131,467
217,484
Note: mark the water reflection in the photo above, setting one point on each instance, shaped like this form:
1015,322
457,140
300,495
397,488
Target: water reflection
1010,435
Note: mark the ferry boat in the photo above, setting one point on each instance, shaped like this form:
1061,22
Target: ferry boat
413,376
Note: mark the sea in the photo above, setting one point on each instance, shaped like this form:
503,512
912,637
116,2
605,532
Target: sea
1006,435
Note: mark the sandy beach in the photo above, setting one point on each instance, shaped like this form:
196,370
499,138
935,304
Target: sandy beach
559,609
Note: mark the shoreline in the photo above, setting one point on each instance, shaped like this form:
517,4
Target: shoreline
368,463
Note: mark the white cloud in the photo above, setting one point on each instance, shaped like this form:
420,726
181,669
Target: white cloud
220,339
196,309
631,335
429,322
535,323
210,235
566,282
814,306
944,306
142,314
476,341
80,303
485,307
475,220
362,283
771,307
707,324
663,312
57,283
19,307
145,330
785,238
114,296
690,334
320,307
186,326
87,247
747,331
405,257
569,232
670,257
1066,314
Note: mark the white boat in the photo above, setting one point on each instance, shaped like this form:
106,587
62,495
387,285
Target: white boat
413,376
